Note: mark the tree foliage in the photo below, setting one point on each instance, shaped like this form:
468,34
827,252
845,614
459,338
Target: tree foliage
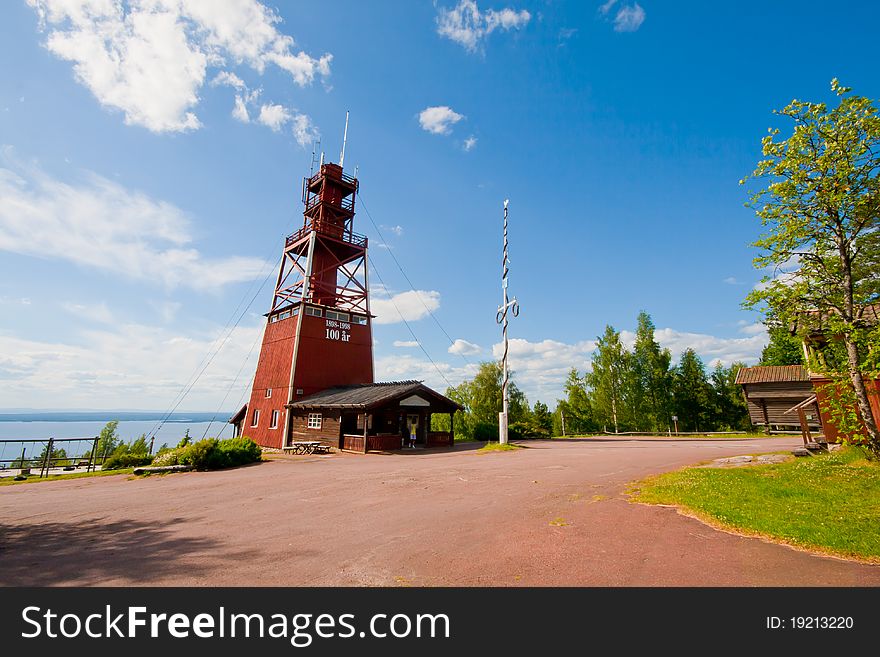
108,439
640,390
607,380
820,209
481,398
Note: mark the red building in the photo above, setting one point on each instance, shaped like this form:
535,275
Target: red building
318,332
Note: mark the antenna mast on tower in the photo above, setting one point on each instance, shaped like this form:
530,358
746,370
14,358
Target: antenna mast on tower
344,139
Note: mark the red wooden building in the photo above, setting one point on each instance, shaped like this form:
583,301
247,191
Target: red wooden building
318,333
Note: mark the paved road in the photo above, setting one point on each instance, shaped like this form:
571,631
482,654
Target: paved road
553,514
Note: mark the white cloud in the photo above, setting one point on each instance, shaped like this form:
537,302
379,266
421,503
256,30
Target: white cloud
464,348
469,143
148,58
468,26
541,367
438,375
439,120
406,344
757,328
411,306
239,110
100,224
731,280
167,310
274,116
397,230
20,301
629,18
604,9
229,79
93,312
710,348
304,131
121,365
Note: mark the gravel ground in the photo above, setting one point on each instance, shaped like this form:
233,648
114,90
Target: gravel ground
555,513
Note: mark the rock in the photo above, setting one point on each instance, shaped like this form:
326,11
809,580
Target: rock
801,451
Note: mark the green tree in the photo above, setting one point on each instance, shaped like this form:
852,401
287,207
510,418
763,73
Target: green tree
652,378
691,393
57,458
576,409
820,209
607,380
730,412
108,439
783,348
541,417
481,399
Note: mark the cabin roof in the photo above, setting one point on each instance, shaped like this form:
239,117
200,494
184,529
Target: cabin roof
371,395
772,374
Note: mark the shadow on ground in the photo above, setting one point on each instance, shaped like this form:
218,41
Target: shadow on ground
93,552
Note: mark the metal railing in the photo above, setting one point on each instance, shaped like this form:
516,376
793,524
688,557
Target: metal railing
331,230
312,200
52,455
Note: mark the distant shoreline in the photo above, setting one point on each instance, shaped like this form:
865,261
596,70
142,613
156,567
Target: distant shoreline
107,416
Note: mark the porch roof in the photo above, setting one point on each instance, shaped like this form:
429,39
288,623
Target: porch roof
369,396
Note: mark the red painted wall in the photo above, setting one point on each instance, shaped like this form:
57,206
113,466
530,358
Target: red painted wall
325,359
324,362
832,435
273,371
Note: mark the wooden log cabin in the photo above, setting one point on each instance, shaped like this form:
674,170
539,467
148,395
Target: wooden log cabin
372,416
781,396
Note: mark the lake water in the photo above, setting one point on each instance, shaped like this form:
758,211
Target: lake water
171,432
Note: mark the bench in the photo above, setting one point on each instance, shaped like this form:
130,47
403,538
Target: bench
307,447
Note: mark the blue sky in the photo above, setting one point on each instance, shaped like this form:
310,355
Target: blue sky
152,158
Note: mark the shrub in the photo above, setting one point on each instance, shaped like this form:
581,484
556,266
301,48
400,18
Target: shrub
235,451
119,461
210,453
169,457
527,429
485,432
198,455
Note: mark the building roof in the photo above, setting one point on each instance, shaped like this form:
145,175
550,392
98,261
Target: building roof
772,374
369,395
238,418
813,321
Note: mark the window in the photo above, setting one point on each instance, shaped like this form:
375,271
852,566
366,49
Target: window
358,319
268,392
273,424
255,420
314,421
342,317
314,312
284,315
273,319
299,391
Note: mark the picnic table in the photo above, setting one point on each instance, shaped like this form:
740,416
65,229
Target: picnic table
308,447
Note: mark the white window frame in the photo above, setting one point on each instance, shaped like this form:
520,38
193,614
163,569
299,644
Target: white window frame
314,421
273,420
255,417
268,393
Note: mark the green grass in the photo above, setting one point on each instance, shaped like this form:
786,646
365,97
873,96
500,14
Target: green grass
34,479
829,503
498,447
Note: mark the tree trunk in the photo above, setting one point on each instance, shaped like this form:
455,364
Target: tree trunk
858,383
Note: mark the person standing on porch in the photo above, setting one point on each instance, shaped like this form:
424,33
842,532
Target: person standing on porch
412,434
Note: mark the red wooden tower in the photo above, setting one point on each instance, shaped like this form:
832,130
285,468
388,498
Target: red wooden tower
318,331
